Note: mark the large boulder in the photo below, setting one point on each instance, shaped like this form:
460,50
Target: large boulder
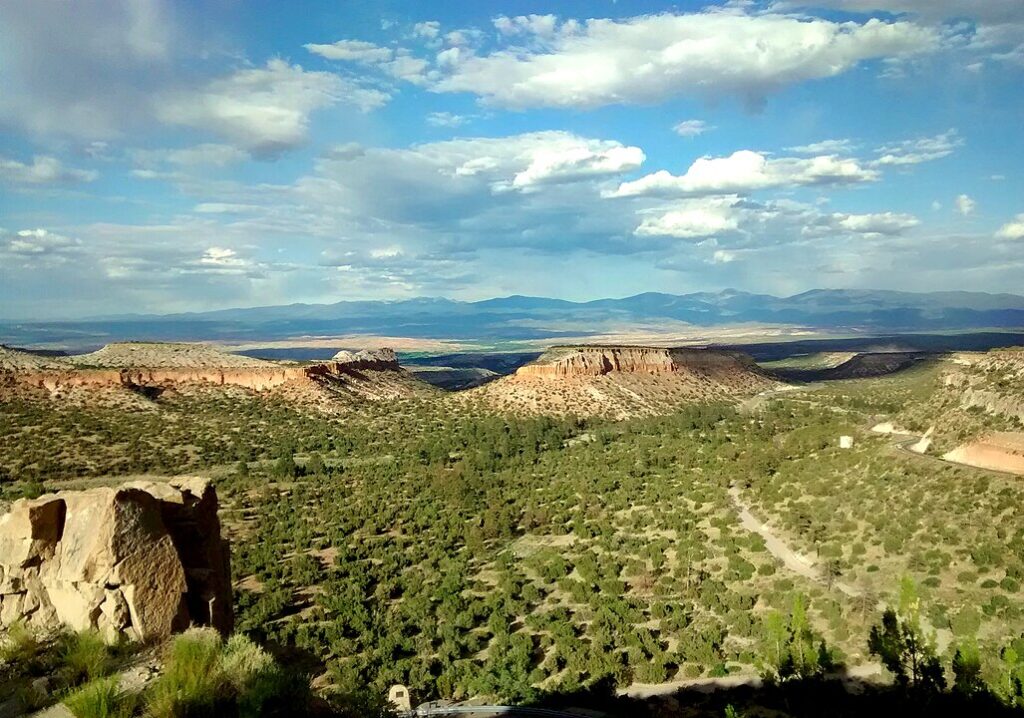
144,560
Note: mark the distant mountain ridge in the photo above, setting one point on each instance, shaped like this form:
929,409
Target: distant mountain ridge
523,317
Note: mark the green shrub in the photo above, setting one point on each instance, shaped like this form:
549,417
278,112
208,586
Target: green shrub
100,698
205,677
21,646
86,656
193,682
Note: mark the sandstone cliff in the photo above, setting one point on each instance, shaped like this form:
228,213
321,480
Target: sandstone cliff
142,560
599,360
151,368
622,381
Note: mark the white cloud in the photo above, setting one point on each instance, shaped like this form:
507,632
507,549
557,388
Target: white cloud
408,68
650,58
429,29
1013,229
746,171
691,128
882,223
539,25
352,51
223,258
43,170
723,256
570,158
824,147
37,248
916,151
965,205
693,219
264,110
446,119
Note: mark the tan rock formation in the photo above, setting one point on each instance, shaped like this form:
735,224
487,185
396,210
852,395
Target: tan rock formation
600,360
370,374
622,381
1000,451
143,560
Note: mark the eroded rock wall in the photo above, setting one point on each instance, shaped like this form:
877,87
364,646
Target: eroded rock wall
143,560
597,361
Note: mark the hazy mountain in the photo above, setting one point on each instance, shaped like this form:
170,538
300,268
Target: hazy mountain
520,317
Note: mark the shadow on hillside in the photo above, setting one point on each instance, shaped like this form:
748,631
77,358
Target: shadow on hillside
838,697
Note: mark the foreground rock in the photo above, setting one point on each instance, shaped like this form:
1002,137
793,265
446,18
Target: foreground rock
143,560
623,381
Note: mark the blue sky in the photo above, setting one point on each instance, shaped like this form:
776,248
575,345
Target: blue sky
169,156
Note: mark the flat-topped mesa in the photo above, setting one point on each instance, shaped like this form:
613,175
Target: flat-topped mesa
597,360
140,364
383,359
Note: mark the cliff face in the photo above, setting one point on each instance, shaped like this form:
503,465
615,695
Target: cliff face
600,360
257,376
991,382
622,381
366,360
140,560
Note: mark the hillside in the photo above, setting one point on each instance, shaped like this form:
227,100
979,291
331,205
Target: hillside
622,381
153,355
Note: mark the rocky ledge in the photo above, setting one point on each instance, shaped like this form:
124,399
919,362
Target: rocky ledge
599,360
142,560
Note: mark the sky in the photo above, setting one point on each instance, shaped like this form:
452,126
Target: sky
161,156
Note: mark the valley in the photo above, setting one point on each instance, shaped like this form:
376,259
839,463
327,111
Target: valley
603,515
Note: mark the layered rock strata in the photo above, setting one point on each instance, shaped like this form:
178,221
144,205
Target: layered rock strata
600,360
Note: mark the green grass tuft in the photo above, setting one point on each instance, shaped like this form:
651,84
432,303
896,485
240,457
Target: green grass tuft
100,698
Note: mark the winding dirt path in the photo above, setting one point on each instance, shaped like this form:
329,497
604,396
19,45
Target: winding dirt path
793,560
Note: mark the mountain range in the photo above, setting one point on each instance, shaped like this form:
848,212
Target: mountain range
538,318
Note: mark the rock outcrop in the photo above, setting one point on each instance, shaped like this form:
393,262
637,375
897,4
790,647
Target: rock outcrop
368,359
600,360
149,369
623,381
143,560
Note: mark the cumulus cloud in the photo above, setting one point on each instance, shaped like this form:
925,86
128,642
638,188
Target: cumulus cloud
351,50
568,159
42,170
264,110
651,58
41,248
965,205
694,219
691,128
746,171
429,29
887,223
1013,229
